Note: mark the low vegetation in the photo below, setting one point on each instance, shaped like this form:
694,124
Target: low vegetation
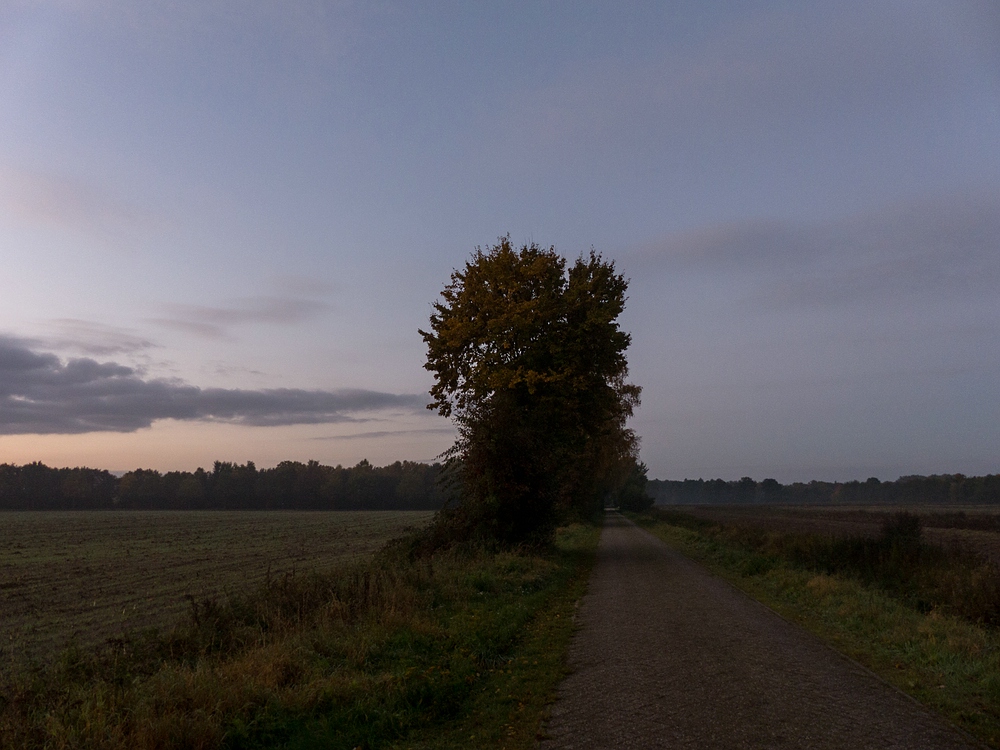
922,616
465,641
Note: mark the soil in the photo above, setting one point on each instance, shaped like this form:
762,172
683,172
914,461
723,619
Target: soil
668,656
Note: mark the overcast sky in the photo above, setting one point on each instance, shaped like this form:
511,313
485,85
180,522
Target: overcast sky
221,223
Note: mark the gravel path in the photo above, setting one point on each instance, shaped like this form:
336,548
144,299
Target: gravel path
668,656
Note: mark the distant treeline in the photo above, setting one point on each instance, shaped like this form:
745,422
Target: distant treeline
290,485
953,489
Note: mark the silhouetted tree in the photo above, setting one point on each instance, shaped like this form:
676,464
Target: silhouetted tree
529,360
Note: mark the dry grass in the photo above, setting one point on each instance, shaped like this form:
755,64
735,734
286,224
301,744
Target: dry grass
976,527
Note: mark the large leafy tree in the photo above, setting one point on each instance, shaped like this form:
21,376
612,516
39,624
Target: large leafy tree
529,361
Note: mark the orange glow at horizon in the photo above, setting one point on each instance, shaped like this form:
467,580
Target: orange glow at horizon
171,445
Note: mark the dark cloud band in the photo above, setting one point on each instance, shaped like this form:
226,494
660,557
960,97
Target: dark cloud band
216,322
911,254
41,394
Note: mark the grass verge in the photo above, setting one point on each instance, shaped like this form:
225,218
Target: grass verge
948,663
461,647
514,697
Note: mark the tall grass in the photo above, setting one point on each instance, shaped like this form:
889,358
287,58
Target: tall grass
358,658
950,579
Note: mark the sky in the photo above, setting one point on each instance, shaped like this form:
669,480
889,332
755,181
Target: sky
222,223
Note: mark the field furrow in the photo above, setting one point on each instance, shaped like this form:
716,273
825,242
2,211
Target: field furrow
83,577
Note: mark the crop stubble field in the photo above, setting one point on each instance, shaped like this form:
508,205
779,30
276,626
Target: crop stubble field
83,577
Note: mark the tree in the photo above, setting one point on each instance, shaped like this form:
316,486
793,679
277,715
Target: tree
140,488
529,361
632,495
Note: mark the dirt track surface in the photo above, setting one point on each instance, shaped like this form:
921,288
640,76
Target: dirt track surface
668,656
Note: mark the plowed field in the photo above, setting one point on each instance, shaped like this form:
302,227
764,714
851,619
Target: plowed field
84,577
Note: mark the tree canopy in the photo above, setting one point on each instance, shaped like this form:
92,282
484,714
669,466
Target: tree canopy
529,360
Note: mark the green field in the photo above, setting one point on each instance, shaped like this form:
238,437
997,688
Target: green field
83,577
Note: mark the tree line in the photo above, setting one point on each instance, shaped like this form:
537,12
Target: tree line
936,489
291,485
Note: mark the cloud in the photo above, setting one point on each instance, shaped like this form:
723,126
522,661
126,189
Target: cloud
95,338
213,322
228,36
204,330
388,433
747,86
731,247
42,394
304,286
228,371
925,251
321,27
70,204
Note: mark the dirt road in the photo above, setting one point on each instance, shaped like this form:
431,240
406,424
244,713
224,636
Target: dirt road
668,656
